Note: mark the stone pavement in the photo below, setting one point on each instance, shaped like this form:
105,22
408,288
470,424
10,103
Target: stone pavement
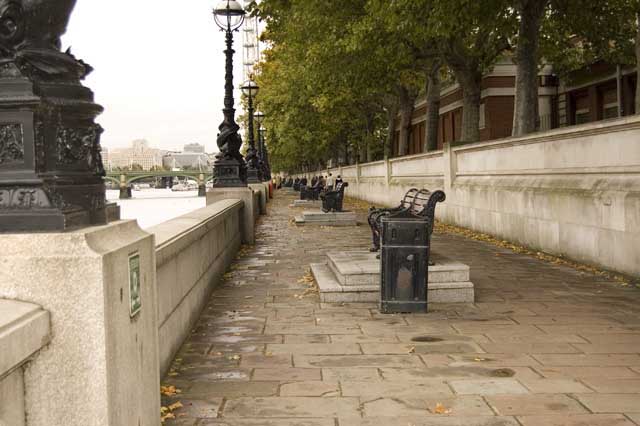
544,345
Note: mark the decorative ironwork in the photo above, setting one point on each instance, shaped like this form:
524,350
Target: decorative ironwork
332,200
229,169
421,203
405,239
23,198
50,126
80,146
11,144
254,174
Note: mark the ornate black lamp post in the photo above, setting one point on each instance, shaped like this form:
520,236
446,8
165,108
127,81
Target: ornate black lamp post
50,164
265,154
259,116
229,168
254,174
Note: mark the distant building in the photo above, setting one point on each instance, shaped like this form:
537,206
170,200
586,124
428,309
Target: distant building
596,92
193,157
194,147
139,154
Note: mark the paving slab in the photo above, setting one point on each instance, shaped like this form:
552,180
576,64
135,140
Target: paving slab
577,420
368,390
488,387
432,421
543,342
323,388
520,405
611,402
357,361
268,422
291,407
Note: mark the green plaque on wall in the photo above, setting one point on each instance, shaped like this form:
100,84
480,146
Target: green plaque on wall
135,300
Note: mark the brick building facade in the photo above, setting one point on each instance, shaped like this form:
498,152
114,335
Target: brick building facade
588,95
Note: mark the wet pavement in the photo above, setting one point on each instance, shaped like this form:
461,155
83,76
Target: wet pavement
544,344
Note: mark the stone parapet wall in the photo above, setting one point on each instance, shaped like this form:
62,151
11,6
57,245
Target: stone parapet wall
24,329
192,253
573,192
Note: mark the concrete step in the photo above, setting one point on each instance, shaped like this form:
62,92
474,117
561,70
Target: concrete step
305,203
356,268
319,218
332,291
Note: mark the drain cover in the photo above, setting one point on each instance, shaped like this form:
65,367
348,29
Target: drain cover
503,372
429,339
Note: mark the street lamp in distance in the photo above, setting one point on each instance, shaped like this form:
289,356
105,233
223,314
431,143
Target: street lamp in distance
254,174
229,168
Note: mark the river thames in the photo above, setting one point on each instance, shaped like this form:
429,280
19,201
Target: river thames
153,206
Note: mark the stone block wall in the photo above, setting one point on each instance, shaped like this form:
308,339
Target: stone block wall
192,253
573,192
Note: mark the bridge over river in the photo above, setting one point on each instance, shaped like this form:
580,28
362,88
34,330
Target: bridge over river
125,179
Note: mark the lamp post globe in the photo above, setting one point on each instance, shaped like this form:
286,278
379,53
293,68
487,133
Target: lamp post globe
228,15
229,168
254,173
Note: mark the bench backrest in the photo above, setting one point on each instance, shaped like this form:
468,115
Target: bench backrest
407,200
340,187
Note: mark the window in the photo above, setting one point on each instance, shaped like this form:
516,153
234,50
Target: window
610,111
482,117
582,116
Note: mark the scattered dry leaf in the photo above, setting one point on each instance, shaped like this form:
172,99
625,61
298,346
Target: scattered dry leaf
441,409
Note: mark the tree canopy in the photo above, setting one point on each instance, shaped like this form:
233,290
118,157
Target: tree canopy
336,74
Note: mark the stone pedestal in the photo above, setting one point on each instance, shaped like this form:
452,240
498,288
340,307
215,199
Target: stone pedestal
306,203
249,209
354,276
103,359
264,195
320,218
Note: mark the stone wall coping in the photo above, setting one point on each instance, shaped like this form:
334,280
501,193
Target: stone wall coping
175,234
570,132
24,329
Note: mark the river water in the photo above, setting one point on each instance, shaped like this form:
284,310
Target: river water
153,206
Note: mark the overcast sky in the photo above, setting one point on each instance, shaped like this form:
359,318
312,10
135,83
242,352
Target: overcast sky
159,69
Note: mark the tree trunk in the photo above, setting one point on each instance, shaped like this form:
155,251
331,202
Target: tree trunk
407,104
638,64
433,107
392,113
525,116
471,83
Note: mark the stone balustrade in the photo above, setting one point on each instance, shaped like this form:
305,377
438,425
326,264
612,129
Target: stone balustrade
572,191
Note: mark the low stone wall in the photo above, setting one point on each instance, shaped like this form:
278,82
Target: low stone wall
24,329
573,191
192,253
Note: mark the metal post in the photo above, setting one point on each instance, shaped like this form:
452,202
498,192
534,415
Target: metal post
229,168
254,174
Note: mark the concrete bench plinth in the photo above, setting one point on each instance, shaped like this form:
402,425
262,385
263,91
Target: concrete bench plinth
305,203
319,218
354,276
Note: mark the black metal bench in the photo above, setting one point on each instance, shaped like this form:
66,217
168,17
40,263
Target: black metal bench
416,202
332,199
311,192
